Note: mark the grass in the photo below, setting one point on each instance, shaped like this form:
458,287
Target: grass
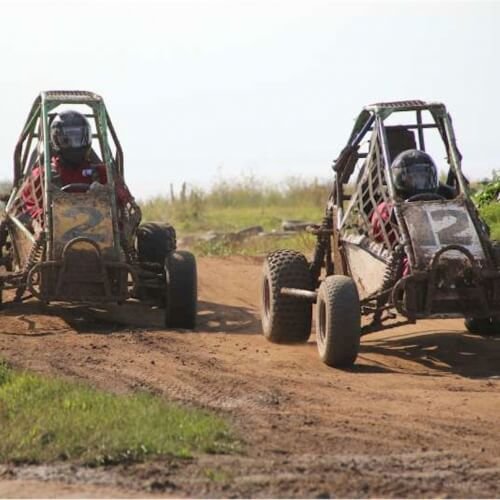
231,205
46,420
491,215
302,242
234,204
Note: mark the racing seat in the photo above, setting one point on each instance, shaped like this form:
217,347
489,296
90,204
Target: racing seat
399,139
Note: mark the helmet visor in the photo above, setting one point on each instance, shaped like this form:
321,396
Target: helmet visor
73,137
419,177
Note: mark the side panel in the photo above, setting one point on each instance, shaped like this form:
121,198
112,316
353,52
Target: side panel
367,270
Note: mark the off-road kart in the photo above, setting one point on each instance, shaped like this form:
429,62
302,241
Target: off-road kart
81,245
432,258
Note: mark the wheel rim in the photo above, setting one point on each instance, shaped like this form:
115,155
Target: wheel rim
266,298
321,322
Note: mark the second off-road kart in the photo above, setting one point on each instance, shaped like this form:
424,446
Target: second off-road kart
76,243
432,258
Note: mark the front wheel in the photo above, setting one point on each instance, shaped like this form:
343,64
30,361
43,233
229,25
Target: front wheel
285,319
338,321
181,290
483,326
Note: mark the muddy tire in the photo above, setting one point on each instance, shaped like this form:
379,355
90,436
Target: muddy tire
181,290
338,321
483,326
285,319
155,240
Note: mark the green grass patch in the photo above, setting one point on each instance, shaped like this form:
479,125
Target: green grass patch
491,215
44,420
302,242
227,218
235,204
229,206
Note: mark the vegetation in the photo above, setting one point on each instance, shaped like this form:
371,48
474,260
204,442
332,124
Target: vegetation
43,420
491,215
486,194
303,242
487,190
231,205
5,188
234,204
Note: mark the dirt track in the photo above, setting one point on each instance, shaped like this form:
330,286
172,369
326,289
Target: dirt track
418,416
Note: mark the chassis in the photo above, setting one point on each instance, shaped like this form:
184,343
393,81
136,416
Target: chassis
451,268
82,245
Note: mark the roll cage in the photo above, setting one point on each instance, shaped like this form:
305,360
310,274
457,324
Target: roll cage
33,148
355,201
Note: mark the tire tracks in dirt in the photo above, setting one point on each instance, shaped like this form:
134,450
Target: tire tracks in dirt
417,416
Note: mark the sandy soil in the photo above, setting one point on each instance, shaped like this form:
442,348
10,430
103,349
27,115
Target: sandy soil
418,416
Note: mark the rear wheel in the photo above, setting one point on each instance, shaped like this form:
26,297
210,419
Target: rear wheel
338,321
181,290
483,326
285,319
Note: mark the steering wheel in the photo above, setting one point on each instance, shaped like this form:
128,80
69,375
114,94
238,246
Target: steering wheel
425,197
76,187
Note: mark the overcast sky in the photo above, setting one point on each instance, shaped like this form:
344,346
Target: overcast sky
203,89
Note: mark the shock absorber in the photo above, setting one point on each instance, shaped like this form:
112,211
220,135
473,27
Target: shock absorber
322,250
34,256
130,251
392,273
393,269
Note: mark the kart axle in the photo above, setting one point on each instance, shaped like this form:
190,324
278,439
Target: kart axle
300,294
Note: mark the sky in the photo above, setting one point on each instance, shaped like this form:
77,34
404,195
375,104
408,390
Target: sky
200,90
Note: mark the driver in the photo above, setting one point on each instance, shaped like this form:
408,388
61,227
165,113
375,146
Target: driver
71,145
414,173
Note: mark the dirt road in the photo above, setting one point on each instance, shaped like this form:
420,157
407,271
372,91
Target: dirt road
418,416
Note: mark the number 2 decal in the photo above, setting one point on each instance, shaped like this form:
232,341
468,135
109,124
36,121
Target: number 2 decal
457,232
94,218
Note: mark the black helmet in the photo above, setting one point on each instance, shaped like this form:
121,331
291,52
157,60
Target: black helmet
414,172
71,136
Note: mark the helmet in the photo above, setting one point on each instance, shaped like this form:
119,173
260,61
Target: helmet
71,136
414,172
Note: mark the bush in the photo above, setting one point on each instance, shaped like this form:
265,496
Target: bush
488,190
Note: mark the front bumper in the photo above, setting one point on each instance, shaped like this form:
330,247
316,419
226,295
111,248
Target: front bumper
456,287
81,275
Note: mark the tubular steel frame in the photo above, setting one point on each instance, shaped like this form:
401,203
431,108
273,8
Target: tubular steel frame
375,185
33,148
